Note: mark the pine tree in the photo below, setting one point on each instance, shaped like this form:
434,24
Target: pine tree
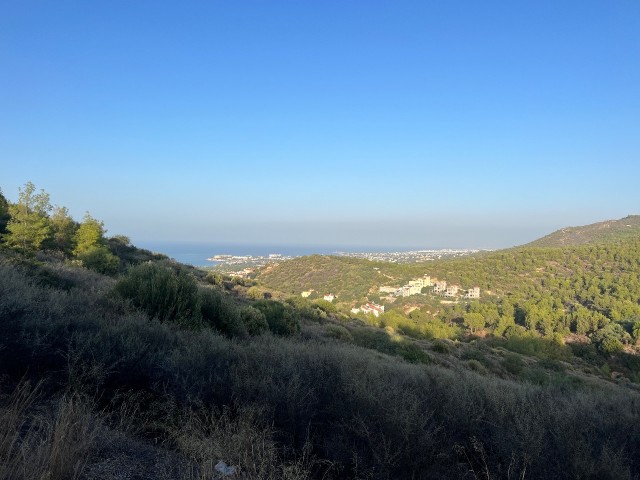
90,234
28,226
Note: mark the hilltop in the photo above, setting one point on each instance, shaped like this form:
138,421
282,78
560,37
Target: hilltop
601,232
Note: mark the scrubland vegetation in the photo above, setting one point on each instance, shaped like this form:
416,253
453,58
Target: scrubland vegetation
152,369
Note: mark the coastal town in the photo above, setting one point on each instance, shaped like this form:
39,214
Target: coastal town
244,265
411,256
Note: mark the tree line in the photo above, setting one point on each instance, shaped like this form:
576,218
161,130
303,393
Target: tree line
32,224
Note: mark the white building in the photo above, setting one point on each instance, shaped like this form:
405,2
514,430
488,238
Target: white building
441,286
409,290
451,291
473,293
329,297
306,293
387,289
374,308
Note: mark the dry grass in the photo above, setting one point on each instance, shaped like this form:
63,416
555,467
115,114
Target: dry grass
44,443
240,440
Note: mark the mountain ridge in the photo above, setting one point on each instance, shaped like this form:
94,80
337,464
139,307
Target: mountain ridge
599,232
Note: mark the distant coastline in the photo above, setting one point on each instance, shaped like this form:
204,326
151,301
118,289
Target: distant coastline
211,254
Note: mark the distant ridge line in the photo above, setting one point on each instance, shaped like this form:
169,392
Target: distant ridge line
601,232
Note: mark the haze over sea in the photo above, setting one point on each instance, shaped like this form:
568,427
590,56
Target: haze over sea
196,253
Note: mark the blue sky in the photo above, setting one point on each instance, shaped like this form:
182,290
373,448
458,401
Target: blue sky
448,123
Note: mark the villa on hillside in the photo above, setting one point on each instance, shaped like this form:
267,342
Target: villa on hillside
369,307
440,286
306,293
413,287
473,293
329,297
451,291
409,290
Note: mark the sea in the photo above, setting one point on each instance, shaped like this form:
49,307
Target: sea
196,254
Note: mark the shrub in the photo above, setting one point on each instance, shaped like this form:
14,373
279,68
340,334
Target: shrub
635,330
215,279
100,259
391,344
254,320
587,352
279,317
440,347
161,293
529,344
412,353
513,364
550,364
339,333
304,308
610,346
255,293
610,339
326,306
220,314
437,329
476,366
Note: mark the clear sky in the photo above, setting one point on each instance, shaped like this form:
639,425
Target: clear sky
417,123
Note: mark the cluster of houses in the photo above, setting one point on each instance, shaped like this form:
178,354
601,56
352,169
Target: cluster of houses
329,297
244,273
440,287
369,308
413,287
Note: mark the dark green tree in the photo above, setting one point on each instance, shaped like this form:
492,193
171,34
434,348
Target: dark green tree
4,213
474,321
90,247
63,230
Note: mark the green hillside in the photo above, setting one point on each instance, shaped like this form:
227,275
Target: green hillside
601,232
592,291
348,278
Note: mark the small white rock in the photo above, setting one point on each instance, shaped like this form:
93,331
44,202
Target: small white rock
225,469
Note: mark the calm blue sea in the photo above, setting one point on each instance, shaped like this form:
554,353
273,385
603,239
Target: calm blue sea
197,253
